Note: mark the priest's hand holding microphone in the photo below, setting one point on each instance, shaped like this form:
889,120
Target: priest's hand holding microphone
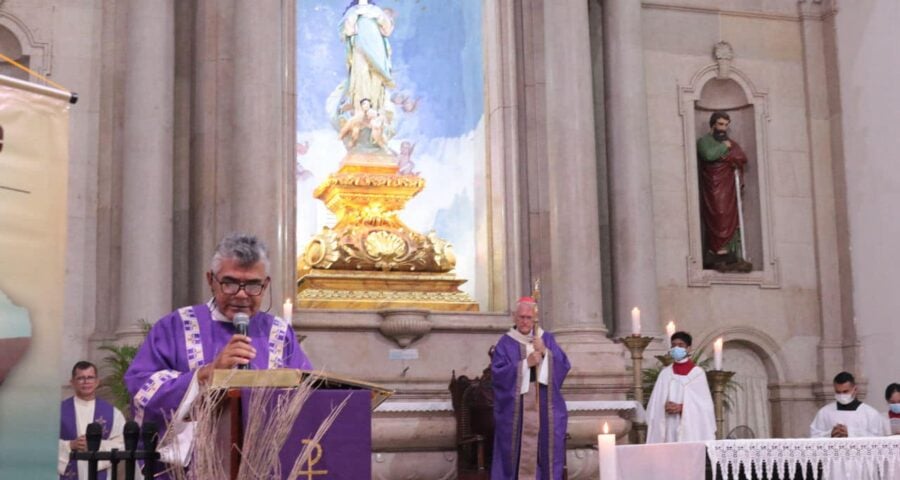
238,352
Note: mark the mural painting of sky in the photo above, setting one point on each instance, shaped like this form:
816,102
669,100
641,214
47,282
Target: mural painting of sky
438,98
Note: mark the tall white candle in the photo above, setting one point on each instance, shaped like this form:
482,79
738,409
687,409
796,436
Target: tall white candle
606,444
670,329
288,311
717,354
636,321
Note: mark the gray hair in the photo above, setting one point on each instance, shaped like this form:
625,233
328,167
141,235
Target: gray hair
246,249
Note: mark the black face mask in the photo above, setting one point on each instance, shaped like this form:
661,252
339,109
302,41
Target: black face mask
720,135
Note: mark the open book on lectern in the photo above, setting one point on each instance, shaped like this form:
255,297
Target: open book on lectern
289,377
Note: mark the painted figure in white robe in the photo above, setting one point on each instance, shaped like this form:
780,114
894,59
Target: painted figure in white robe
365,29
846,416
681,407
79,410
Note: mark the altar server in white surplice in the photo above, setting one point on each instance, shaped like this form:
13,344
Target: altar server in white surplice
892,397
847,416
681,407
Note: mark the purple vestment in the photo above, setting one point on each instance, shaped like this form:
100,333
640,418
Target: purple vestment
506,366
188,338
68,430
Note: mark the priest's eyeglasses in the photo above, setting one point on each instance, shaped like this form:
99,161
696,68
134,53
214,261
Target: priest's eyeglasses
229,286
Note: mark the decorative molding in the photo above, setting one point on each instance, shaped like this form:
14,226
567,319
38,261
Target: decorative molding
763,345
40,53
688,95
816,10
725,13
366,321
432,465
404,326
724,54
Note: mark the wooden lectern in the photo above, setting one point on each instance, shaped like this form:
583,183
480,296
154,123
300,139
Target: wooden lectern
327,387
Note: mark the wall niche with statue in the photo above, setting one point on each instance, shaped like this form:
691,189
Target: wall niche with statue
725,120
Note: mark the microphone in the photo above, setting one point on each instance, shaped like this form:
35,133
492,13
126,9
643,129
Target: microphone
241,325
93,434
149,437
131,432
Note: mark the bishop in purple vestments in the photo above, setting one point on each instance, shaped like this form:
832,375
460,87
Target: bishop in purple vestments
183,348
524,357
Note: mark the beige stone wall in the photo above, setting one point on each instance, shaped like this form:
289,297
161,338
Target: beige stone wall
64,42
782,318
869,70
816,109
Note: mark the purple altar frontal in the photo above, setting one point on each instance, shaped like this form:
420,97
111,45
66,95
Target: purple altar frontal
345,452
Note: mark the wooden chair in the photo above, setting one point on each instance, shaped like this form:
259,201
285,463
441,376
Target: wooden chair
473,407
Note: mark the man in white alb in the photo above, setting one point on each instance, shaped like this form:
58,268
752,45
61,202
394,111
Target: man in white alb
681,407
76,412
847,416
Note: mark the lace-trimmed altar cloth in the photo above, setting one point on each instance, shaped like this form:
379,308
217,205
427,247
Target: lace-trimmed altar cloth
859,458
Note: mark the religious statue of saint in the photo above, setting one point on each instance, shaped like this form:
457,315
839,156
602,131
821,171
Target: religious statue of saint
367,131
364,117
722,163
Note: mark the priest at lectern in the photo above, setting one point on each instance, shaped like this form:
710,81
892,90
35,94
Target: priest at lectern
184,347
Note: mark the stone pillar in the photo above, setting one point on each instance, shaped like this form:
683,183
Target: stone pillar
631,196
829,196
572,171
574,245
261,160
146,261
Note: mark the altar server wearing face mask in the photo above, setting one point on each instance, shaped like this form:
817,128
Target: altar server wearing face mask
681,408
892,397
847,416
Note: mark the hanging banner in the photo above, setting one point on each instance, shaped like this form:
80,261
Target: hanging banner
34,136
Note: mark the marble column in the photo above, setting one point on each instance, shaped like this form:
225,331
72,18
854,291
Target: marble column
261,161
628,150
146,251
575,273
832,255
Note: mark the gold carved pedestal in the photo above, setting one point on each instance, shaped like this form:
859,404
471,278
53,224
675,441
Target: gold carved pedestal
370,259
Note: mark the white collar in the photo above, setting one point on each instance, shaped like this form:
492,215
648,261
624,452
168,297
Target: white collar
217,315
524,339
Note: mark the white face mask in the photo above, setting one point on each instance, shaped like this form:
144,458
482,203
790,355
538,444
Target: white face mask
843,398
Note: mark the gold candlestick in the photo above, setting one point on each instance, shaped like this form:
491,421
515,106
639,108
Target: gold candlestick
636,345
665,360
717,380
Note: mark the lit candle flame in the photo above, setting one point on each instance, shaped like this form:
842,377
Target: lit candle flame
605,427
670,328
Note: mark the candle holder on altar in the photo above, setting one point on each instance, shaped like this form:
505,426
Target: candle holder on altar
717,380
636,345
665,360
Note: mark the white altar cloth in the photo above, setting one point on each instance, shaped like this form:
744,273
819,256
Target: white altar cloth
858,458
662,461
